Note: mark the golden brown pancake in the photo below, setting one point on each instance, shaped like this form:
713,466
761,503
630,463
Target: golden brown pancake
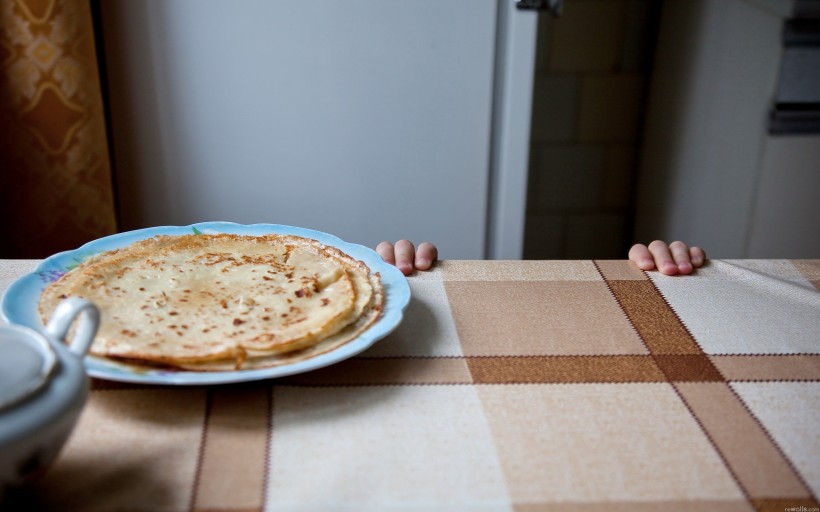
215,302
350,332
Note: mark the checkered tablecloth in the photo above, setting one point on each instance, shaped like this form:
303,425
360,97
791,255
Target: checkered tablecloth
520,386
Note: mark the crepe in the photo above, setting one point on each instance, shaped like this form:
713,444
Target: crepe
218,302
259,361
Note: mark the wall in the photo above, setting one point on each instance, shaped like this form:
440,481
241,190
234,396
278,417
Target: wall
710,173
786,219
591,73
370,120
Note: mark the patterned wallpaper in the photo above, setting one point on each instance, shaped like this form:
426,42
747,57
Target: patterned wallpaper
56,186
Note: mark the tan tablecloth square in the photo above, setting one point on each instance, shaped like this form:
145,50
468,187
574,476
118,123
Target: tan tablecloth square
591,443
539,318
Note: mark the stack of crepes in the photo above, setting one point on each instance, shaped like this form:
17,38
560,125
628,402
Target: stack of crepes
222,302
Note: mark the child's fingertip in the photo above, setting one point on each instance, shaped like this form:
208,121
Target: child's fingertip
669,268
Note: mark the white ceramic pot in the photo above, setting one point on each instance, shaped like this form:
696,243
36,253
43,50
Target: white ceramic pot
43,388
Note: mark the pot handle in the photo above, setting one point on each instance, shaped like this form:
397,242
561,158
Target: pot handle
64,315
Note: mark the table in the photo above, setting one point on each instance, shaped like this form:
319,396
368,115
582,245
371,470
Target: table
510,385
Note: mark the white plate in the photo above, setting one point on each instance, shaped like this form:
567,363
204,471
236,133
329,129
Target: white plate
19,303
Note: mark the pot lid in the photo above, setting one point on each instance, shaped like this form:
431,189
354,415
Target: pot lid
26,362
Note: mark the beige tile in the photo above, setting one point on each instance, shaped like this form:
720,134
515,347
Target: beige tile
556,444
376,448
610,108
554,108
588,36
540,318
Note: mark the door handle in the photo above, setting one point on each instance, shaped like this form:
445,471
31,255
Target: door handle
553,6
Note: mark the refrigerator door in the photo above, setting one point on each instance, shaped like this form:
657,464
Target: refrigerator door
367,119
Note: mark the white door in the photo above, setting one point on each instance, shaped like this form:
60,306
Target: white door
368,119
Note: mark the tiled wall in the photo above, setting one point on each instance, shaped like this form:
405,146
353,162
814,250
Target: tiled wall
589,95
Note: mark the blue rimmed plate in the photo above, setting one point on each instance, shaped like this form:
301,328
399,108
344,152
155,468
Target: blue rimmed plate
19,303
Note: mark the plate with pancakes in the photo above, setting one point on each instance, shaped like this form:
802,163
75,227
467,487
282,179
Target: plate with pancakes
218,302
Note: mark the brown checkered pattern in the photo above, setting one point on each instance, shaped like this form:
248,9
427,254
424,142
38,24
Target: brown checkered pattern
522,386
